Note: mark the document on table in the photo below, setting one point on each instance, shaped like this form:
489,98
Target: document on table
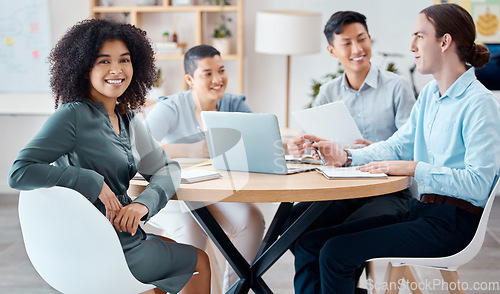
330,121
306,159
192,162
331,172
189,176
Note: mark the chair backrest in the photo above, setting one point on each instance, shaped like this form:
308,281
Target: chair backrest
452,262
469,252
72,245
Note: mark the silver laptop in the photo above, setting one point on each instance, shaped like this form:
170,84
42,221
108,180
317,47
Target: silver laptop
248,142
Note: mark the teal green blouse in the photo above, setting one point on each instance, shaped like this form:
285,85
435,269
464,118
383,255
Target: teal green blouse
81,134
79,137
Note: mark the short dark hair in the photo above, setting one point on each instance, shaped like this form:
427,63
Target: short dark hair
73,57
196,53
339,19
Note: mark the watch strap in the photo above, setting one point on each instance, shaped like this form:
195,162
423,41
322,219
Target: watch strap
349,158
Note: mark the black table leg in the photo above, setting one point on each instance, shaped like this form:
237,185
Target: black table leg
280,246
275,227
220,239
272,247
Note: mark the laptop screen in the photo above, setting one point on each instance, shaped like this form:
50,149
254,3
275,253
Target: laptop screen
244,141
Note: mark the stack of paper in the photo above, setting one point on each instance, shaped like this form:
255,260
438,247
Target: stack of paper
308,159
192,162
197,175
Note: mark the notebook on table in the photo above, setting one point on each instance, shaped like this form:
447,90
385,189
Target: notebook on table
306,158
189,176
248,142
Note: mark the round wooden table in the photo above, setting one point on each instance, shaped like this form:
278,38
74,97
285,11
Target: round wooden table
258,187
286,189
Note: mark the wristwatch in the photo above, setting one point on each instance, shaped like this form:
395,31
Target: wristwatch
349,158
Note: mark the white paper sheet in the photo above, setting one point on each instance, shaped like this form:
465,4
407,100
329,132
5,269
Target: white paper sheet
198,175
331,172
330,121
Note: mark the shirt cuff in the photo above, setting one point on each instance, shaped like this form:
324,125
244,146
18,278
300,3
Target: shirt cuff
152,199
357,157
89,184
422,171
147,198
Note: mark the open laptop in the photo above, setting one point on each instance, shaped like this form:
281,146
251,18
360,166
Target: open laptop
248,142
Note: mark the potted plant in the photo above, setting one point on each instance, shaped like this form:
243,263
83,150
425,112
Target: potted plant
324,79
221,38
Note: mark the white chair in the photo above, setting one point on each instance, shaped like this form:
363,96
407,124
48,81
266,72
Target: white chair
72,245
399,267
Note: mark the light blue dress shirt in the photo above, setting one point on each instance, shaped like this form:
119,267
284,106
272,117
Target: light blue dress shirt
173,120
455,139
381,105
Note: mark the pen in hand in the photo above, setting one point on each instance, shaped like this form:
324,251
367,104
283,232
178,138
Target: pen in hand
319,154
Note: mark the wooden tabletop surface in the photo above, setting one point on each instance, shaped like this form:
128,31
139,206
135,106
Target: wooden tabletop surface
258,187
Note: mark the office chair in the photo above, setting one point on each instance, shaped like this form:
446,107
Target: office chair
400,266
72,245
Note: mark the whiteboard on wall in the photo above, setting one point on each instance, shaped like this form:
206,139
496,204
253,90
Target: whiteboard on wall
24,46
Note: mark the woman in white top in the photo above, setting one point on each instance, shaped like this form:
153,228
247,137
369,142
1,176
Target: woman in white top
175,121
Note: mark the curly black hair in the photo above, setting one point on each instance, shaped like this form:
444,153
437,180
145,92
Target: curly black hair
75,54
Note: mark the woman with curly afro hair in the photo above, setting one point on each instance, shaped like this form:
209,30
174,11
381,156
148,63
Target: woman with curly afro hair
101,71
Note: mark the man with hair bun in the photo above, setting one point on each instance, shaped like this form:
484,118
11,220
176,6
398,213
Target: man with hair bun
450,144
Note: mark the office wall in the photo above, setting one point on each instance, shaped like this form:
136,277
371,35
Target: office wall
62,15
390,24
22,114
15,131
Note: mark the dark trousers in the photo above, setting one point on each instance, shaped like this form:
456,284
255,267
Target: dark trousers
326,259
348,210
340,211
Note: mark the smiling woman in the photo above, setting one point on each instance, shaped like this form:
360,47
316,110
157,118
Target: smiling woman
73,63
100,72
112,71
110,77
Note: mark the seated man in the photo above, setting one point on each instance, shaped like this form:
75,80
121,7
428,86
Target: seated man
380,103
450,144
